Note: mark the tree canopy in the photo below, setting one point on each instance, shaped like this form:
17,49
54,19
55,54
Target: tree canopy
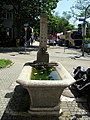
28,11
82,9
58,24
1,8
78,10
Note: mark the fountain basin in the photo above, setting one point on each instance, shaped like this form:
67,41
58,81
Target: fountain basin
45,94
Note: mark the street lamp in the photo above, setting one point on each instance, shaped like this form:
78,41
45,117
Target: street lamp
84,26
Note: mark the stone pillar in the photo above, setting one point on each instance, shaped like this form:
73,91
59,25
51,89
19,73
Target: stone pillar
43,30
42,55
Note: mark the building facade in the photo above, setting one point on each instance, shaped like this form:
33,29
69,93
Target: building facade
7,33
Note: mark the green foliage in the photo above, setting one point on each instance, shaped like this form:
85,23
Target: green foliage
57,24
28,11
78,10
66,15
87,38
4,63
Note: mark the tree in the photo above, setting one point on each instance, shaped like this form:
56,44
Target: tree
78,10
28,11
1,11
66,15
57,24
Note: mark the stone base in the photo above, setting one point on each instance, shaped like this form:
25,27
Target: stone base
45,111
42,57
45,95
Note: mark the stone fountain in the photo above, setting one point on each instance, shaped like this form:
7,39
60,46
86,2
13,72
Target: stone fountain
44,94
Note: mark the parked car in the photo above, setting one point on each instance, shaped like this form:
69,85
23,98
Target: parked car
51,42
86,47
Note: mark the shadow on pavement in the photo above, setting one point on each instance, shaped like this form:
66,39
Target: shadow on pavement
18,49
18,106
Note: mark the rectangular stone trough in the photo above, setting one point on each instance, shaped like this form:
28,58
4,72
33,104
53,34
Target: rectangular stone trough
45,95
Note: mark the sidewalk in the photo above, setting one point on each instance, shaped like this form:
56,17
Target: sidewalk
14,99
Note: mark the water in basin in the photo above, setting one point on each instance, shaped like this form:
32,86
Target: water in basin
45,73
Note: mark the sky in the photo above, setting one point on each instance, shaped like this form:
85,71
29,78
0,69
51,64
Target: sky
64,5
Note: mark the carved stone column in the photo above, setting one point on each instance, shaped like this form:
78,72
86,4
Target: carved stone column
42,55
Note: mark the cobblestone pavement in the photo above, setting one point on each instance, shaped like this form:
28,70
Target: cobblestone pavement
14,100
7,77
